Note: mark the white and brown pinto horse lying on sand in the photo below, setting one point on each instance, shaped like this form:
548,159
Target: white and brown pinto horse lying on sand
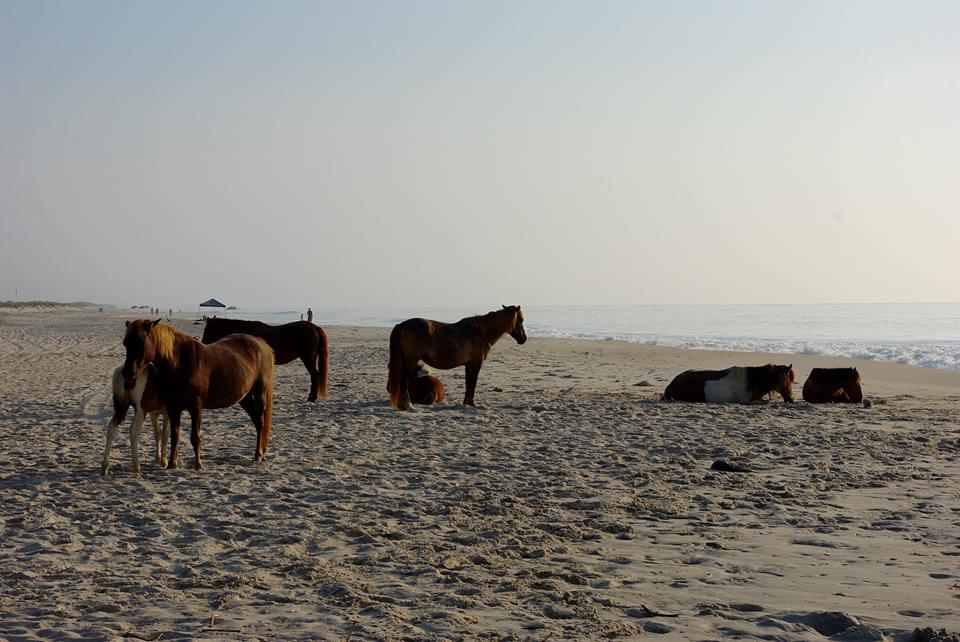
145,399
733,385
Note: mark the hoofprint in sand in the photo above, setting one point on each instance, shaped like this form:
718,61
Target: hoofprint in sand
571,504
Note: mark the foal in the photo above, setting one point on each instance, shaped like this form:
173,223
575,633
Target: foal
145,399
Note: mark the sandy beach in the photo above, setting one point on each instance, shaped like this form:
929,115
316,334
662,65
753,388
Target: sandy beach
571,503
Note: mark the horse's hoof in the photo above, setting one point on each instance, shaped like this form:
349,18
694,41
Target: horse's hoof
198,466
172,465
104,470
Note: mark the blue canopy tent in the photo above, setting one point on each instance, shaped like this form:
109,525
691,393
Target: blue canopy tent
209,303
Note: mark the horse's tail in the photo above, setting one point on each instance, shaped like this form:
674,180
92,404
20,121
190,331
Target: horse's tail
395,368
323,356
121,399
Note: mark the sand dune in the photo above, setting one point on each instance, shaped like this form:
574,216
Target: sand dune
570,504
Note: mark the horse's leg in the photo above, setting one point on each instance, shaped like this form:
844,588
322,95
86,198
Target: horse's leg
165,439
251,404
135,429
473,371
174,437
157,438
311,366
266,394
112,428
195,437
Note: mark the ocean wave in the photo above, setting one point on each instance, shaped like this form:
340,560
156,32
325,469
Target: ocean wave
925,355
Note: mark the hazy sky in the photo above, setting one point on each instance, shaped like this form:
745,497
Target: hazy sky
454,153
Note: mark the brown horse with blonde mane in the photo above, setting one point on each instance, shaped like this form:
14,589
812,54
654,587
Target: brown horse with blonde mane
193,376
447,345
734,385
289,341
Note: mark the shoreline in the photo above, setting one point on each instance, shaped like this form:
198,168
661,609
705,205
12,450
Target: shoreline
893,378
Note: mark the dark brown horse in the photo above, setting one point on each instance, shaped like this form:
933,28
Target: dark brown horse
733,385
193,376
425,388
291,340
447,345
837,385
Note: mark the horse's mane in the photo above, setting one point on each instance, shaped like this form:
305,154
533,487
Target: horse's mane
165,338
834,375
763,379
240,323
492,324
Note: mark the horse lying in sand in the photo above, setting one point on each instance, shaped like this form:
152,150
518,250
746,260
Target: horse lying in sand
194,376
144,396
833,385
733,385
447,345
425,388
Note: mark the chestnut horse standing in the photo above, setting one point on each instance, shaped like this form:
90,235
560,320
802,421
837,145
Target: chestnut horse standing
733,385
193,376
447,345
291,340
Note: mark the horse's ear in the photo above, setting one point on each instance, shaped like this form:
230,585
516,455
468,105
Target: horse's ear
790,367
127,323
504,307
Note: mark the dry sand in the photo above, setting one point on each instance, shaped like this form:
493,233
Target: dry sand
571,504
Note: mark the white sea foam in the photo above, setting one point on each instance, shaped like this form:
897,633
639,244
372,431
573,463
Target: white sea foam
925,355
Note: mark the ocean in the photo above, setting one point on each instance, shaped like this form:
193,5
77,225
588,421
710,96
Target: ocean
926,335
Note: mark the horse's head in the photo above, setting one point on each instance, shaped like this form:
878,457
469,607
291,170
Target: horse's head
783,381
211,330
516,329
141,349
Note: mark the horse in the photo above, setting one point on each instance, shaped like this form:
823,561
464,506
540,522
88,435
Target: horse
733,385
447,345
144,396
291,340
839,385
194,376
425,388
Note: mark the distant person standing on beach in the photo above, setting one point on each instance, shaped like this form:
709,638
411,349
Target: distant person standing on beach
309,315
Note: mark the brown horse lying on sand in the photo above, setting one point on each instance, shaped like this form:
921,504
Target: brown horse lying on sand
289,341
447,345
733,385
826,385
194,376
144,396
425,388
